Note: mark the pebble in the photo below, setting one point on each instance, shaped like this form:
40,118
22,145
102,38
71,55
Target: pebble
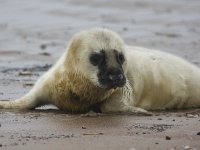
187,147
45,54
25,73
192,116
28,84
143,132
168,138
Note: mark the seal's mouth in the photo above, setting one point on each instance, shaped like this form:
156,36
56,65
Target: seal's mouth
113,82
114,86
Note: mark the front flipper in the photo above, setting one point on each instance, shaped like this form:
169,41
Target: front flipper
123,109
139,111
116,105
122,102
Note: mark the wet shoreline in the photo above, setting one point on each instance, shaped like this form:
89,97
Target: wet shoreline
35,34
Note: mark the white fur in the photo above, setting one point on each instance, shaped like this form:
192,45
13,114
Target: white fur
155,80
161,80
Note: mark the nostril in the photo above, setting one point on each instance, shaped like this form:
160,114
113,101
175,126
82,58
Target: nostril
115,78
120,76
111,77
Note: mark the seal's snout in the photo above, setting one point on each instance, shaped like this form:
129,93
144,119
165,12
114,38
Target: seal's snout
115,78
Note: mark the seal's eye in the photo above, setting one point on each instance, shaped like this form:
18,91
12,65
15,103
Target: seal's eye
121,58
95,59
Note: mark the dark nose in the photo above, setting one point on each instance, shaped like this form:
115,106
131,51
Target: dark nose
115,76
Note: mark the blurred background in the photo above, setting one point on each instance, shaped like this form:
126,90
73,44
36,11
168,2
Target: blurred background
33,34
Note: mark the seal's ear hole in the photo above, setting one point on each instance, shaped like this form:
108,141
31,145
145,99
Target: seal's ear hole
96,59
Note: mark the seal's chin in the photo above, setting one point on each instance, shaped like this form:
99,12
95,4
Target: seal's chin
112,85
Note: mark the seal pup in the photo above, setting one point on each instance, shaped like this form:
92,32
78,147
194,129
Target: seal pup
99,71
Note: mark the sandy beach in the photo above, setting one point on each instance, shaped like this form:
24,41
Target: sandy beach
34,34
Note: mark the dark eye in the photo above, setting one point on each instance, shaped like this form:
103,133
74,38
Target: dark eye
121,58
95,59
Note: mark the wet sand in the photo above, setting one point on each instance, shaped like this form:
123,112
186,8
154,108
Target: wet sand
48,129
34,35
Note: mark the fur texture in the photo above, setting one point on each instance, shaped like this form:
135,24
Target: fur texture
154,80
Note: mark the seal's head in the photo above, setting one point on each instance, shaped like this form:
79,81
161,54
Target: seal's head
99,55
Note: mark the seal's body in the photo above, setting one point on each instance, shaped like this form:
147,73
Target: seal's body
98,69
162,81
